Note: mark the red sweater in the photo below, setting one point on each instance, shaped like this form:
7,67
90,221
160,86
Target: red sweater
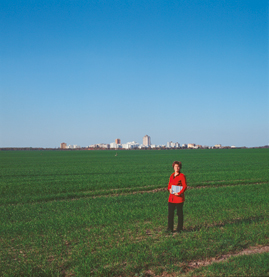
179,180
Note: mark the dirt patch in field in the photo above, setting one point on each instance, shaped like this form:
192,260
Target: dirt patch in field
252,250
115,194
230,185
189,187
131,192
150,273
200,263
165,189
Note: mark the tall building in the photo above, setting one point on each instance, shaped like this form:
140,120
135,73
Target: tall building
169,144
146,140
63,145
117,141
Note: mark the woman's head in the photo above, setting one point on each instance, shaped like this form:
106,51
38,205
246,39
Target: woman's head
177,166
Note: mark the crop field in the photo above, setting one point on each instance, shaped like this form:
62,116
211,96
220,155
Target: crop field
91,213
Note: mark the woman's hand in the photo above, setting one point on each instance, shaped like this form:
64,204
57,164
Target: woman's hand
170,190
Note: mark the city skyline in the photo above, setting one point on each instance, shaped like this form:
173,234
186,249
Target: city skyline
145,144
86,72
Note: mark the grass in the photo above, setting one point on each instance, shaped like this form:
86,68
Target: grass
91,236
251,265
32,176
124,235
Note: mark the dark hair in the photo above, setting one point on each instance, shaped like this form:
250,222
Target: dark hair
178,163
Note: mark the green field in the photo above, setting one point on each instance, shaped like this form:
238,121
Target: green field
91,213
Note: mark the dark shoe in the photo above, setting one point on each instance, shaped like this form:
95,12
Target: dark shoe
179,231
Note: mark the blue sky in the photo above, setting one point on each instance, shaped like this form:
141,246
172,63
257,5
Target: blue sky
86,72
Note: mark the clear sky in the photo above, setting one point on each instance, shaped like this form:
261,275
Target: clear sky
86,72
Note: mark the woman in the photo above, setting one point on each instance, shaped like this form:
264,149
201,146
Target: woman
177,186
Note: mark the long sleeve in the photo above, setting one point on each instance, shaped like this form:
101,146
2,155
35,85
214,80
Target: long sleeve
184,185
169,184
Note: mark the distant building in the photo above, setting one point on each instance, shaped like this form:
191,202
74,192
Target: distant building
117,141
191,145
171,144
174,144
130,145
92,146
115,145
168,145
63,145
217,146
103,145
100,145
146,140
73,146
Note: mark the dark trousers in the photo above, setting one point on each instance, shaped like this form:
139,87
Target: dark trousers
171,210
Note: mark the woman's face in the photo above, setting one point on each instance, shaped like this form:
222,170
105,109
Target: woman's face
176,168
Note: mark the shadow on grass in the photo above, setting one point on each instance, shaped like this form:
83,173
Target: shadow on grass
237,221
